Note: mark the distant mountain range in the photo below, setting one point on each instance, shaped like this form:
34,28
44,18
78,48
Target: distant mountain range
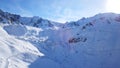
34,42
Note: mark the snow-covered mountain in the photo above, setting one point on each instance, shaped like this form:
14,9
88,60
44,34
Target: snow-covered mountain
39,43
35,21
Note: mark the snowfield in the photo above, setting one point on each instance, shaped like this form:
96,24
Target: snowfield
15,53
37,43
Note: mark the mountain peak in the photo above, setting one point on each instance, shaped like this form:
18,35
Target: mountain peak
35,21
33,42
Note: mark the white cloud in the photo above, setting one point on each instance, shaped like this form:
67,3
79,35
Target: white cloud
24,12
74,10
60,11
17,9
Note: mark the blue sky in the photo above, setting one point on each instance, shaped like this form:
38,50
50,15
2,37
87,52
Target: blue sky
56,10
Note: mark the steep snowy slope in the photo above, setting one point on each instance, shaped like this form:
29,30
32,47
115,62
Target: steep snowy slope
15,53
93,44
87,43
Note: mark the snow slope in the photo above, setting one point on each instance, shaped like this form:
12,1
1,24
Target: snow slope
93,45
87,43
15,53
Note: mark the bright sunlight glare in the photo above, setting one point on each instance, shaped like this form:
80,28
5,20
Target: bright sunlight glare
113,6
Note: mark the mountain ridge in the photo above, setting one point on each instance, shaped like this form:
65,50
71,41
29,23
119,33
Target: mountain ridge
36,20
87,43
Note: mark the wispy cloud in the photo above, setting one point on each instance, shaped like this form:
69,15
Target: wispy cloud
15,7
66,10
24,12
56,10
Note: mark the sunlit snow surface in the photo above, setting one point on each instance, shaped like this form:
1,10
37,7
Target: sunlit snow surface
15,53
88,43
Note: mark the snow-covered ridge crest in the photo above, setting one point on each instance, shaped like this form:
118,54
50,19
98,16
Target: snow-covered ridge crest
35,21
87,43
